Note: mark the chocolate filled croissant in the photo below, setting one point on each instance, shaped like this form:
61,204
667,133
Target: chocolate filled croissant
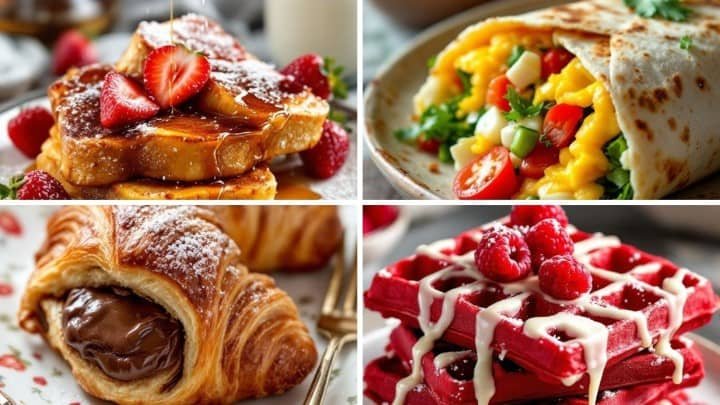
151,305
289,238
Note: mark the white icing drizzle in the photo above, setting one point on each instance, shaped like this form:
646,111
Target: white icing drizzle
589,334
443,360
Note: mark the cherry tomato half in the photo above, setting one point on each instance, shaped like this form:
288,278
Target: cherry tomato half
497,90
561,123
489,177
542,157
554,60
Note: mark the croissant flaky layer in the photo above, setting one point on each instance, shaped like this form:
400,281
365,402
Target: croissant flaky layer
242,335
288,238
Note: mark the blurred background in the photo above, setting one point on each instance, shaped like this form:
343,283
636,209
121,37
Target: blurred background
274,30
687,235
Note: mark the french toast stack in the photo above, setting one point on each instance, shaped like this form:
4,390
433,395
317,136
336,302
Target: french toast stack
604,326
215,146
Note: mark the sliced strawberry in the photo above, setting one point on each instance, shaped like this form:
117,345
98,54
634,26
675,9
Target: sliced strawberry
173,74
329,155
122,102
72,49
30,129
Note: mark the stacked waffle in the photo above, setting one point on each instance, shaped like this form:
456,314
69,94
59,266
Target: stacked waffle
466,337
216,145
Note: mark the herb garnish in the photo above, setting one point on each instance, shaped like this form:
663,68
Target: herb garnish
686,42
520,107
617,181
671,10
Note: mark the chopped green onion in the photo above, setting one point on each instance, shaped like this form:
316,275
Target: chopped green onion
686,42
524,141
516,53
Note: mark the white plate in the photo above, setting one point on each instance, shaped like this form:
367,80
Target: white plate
342,186
707,392
388,107
17,262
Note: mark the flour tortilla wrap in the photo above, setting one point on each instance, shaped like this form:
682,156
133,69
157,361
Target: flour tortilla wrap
667,99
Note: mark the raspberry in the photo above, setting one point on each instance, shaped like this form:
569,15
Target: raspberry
367,225
532,214
502,255
564,278
329,155
381,215
29,129
546,239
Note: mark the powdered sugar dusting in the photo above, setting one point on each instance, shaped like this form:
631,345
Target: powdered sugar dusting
175,241
249,77
197,33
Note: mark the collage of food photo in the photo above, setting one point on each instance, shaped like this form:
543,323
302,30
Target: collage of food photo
360,202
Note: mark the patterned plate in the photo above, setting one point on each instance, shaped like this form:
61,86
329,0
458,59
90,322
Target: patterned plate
31,373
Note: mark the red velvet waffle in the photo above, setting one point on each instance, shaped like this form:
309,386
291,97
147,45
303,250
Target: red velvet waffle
555,354
383,374
453,383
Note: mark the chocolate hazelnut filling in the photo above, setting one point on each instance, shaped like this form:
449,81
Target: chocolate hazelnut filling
125,335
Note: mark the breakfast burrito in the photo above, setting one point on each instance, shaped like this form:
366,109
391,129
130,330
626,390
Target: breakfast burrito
590,100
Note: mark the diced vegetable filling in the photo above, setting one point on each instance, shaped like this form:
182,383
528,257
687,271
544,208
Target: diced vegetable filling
555,122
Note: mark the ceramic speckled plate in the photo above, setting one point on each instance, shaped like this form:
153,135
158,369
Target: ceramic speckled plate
388,107
342,186
31,373
706,393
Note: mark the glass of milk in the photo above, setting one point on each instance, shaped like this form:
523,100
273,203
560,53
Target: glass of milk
325,27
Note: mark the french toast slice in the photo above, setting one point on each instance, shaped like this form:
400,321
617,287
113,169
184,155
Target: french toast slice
239,86
180,145
257,184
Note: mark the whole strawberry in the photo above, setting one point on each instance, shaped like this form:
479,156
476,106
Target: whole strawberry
72,49
29,129
320,75
39,185
328,156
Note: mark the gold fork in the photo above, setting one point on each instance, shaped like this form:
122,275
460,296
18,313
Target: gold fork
337,324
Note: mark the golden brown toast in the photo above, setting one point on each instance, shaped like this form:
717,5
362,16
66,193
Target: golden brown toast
182,145
257,184
240,85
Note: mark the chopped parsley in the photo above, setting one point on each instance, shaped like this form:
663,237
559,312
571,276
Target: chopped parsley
686,42
617,182
516,53
520,107
671,10
431,61
444,122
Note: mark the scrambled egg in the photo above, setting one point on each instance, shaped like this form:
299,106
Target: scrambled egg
583,162
487,62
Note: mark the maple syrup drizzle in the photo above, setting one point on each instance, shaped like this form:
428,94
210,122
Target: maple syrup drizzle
590,334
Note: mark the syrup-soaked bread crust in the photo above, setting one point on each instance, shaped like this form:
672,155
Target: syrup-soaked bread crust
257,184
243,336
185,145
